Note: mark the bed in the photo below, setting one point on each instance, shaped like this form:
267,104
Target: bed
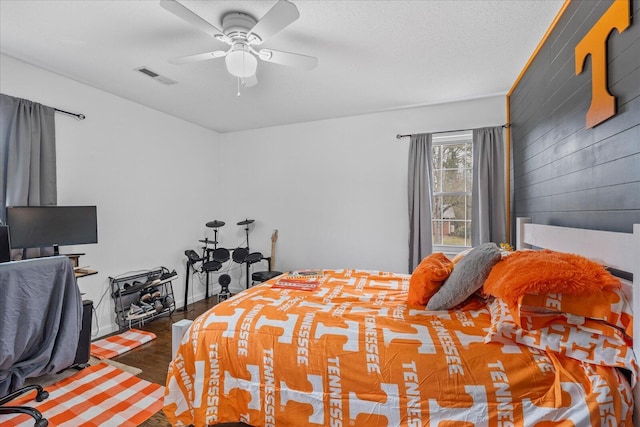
354,352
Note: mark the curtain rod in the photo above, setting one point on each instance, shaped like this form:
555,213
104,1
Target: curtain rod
444,131
78,116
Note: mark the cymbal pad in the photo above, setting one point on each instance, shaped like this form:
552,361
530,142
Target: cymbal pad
215,224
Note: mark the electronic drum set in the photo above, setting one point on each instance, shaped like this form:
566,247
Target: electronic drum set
213,258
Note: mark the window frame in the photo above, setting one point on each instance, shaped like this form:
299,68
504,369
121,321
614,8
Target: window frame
442,139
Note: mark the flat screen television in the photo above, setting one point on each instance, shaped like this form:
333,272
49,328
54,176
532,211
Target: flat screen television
45,226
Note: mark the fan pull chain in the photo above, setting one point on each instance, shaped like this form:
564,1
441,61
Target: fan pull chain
243,57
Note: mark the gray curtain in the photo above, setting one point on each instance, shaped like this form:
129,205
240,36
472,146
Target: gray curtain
27,155
488,213
420,195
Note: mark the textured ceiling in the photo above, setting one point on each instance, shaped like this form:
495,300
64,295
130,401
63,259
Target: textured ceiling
372,55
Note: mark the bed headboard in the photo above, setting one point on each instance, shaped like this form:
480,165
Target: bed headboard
613,249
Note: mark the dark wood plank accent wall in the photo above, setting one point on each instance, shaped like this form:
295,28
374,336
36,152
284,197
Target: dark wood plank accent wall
561,172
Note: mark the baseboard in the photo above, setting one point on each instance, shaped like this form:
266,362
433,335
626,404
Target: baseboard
113,326
192,299
105,330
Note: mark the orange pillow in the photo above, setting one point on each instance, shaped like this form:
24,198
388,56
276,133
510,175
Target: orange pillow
428,277
540,272
612,307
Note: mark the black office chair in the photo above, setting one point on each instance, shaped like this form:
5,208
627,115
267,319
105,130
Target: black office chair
41,395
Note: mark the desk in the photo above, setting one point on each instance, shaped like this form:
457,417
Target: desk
83,272
75,259
79,272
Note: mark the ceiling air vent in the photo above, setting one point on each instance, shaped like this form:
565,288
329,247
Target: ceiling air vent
155,76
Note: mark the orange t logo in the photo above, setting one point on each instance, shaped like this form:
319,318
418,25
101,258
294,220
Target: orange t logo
603,104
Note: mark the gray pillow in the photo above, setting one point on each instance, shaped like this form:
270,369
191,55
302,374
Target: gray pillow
467,276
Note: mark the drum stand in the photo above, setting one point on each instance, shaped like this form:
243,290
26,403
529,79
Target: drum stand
192,258
246,223
208,265
186,283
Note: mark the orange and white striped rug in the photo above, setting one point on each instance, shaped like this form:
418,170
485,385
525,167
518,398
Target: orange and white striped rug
100,395
115,345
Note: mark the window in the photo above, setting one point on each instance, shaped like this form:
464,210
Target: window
452,179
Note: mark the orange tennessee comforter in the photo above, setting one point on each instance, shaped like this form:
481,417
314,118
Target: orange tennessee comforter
352,353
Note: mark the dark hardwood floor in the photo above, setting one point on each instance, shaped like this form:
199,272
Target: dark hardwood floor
154,357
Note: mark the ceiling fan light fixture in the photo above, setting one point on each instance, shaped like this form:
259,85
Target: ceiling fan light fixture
240,62
242,32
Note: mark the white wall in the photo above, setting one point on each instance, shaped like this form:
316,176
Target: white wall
144,170
334,189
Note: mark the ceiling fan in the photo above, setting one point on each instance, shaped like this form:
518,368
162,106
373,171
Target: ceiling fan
243,34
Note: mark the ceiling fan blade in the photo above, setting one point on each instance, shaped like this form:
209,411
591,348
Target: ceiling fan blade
289,59
278,17
197,57
250,81
187,15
